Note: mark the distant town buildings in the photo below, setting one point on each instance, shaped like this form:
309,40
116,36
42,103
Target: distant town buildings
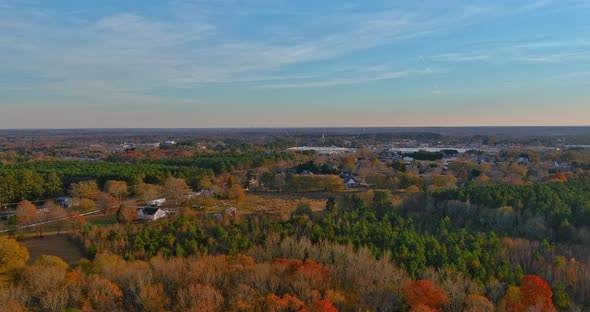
321,150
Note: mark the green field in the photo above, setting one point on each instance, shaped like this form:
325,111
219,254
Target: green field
101,219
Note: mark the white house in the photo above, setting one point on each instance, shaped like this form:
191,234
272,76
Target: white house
151,214
351,181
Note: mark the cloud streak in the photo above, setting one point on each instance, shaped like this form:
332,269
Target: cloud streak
388,75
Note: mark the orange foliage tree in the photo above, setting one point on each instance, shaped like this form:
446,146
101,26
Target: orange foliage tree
324,305
424,292
533,295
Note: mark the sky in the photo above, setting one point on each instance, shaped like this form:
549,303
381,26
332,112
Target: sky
274,63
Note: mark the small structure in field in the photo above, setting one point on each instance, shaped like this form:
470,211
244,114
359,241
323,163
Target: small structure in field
156,202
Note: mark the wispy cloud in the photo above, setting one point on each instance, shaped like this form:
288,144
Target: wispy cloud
127,51
389,75
461,57
541,51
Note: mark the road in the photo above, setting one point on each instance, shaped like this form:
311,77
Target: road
52,221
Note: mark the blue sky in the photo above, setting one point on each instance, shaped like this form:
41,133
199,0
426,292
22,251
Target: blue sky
218,63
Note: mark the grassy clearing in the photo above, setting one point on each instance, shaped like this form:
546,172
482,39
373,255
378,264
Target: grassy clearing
102,219
56,245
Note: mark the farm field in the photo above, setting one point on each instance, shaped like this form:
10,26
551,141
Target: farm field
56,245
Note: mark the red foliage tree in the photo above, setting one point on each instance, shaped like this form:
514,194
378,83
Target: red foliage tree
422,308
536,293
315,273
424,292
324,305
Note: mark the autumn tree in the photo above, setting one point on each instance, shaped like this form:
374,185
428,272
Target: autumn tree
84,189
76,221
536,293
126,214
147,192
236,192
86,204
117,189
199,297
324,305
512,300
477,303
425,292
102,294
105,202
153,298
47,285
58,214
46,261
176,188
12,255
26,212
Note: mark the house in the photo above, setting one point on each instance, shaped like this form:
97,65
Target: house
523,159
151,214
231,211
351,181
7,215
66,202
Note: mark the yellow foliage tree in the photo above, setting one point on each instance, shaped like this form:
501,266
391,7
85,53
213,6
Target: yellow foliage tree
12,255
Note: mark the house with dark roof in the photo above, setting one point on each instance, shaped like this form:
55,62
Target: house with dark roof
151,213
351,181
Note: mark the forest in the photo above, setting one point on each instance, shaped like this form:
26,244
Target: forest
485,262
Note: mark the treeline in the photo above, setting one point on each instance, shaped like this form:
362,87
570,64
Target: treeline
290,275
425,155
224,163
47,179
555,211
16,184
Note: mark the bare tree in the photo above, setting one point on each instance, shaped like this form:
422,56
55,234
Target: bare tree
59,215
